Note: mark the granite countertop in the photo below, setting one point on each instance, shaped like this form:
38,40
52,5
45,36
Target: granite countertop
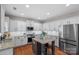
9,43
6,44
46,40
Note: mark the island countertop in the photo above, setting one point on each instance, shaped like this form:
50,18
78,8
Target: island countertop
46,40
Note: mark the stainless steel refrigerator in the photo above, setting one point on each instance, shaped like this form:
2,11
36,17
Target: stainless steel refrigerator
70,41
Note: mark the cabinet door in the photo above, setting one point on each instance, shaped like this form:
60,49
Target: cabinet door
13,26
23,40
7,52
6,24
18,42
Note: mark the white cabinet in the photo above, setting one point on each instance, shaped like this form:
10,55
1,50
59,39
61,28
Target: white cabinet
37,26
16,41
6,24
20,41
6,51
46,27
23,41
21,26
13,26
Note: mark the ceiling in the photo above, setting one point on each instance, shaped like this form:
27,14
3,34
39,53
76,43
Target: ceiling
40,12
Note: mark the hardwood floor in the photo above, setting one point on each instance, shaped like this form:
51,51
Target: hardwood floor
27,50
59,52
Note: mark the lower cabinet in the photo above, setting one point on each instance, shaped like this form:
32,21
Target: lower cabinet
20,41
6,51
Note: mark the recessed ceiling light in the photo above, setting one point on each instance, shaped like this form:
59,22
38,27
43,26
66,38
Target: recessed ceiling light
67,5
27,6
22,13
47,13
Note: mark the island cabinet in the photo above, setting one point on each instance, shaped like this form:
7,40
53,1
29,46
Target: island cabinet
41,47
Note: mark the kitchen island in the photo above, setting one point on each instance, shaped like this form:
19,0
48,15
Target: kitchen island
40,46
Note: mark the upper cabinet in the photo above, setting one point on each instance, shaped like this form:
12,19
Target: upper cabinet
46,27
6,24
13,26
37,26
21,25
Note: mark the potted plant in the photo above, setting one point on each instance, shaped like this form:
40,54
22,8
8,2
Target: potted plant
43,34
